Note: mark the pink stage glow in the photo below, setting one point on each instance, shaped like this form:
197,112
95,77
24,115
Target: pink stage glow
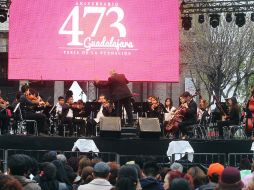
84,40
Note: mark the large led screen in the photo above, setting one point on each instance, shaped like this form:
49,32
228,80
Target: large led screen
84,40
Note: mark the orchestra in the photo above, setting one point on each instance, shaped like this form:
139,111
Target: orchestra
81,118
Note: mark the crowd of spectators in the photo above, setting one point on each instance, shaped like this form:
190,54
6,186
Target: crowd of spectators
56,172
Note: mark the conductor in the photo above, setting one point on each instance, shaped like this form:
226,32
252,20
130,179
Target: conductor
119,92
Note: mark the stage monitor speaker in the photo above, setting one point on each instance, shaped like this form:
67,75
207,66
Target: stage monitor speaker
149,127
110,127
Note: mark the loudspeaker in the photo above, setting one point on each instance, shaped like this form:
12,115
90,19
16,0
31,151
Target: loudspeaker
110,127
149,127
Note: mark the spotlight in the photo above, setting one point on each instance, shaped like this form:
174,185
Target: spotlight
3,15
240,19
252,17
186,22
214,20
201,19
229,17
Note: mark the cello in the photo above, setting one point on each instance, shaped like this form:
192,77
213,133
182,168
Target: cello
250,115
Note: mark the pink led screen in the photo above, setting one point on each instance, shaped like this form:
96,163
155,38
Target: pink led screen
84,40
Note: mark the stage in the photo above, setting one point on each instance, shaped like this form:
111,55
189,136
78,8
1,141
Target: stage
123,146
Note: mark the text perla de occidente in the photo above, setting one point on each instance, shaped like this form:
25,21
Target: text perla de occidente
89,43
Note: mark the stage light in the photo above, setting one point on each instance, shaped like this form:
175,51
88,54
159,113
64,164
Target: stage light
229,17
214,20
252,17
3,15
201,19
186,22
240,19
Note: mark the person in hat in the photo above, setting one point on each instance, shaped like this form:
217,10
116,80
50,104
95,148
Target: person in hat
232,118
214,173
101,174
230,180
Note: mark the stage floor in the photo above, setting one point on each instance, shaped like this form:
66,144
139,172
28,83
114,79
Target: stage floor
123,146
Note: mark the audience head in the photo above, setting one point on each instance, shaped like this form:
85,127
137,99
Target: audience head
83,162
73,162
62,158
114,167
230,179
198,175
151,169
127,178
101,170
245,164
102,99
9,183
19,164
214,172
48,171
177,166
170,176
49,156
87,174
179,184
61,174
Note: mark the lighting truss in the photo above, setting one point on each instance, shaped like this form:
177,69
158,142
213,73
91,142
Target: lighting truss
213,7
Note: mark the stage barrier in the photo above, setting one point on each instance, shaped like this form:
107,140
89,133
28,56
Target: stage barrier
200,158
235,158
161,159
203,159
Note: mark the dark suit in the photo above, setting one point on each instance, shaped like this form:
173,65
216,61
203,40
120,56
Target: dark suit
120,94
27,113
65,120
190,117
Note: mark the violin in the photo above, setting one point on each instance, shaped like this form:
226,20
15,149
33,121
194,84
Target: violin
3,104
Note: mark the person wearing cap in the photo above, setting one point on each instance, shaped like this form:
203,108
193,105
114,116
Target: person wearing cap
230,180
101,174
233,118
214,173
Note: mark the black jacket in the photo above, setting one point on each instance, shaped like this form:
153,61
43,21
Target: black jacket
117,85
25,104
65,110
151,184
191,114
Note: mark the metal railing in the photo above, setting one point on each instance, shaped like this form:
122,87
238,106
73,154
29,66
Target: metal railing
235,158
205,159
161,159
201,158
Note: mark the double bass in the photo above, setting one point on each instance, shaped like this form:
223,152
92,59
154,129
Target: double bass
250,115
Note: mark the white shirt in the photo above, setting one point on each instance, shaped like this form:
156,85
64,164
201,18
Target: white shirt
99,115
70,113
168,116
96,184
58,109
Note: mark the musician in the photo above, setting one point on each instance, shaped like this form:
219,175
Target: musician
59,106
79,115
203,111
233,118
170,109
249,109
28,113
4,115
190,115
120,94
67,116
106,109
156,110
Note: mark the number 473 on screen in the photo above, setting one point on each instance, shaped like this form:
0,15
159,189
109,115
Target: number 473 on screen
102,11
